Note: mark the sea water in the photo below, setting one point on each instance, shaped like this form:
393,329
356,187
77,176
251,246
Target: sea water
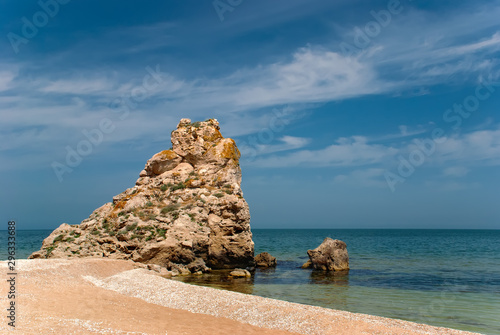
448,278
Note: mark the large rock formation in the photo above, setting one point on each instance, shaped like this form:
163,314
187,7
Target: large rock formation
331,255
186,208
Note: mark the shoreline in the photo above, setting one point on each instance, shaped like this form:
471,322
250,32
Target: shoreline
60,294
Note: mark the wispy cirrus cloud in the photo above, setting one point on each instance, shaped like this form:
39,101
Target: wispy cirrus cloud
480,147
476,148
353,151
434,50
404,131
427,48
63,101
81,86
285,143
310,76
6,79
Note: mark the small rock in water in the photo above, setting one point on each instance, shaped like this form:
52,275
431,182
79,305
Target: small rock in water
238,273
307,264
331,255
265,260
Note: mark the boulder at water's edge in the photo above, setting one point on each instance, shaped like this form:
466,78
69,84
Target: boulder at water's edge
265,260
331,255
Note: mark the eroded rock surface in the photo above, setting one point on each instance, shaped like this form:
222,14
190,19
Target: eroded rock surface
186,212
331,255
240,273
265,260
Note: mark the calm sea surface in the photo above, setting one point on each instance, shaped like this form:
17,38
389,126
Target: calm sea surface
447,278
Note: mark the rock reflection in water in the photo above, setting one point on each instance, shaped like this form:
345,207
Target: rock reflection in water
220,279
265,271
338,278
286,282
330,288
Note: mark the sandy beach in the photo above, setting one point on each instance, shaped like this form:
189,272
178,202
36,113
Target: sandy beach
103,296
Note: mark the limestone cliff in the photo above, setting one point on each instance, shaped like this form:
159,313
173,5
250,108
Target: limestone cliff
186,208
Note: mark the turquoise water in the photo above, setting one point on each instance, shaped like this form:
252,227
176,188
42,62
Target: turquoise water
27,241
447,278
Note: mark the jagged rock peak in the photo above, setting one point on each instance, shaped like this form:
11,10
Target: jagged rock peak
186,209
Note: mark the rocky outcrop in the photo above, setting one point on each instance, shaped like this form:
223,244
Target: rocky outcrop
187,208
265,260
331,255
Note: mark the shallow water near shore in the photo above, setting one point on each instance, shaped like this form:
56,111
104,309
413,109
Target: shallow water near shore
448,278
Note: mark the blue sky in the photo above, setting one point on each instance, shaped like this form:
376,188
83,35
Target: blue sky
348,114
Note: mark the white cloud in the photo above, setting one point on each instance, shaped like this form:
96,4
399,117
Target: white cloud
463,66
477,148
6,78
353,151
293,141
81,86
424,48
287,143
75,101
404,131
460,50
312,75
480,147
66,104
319,75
